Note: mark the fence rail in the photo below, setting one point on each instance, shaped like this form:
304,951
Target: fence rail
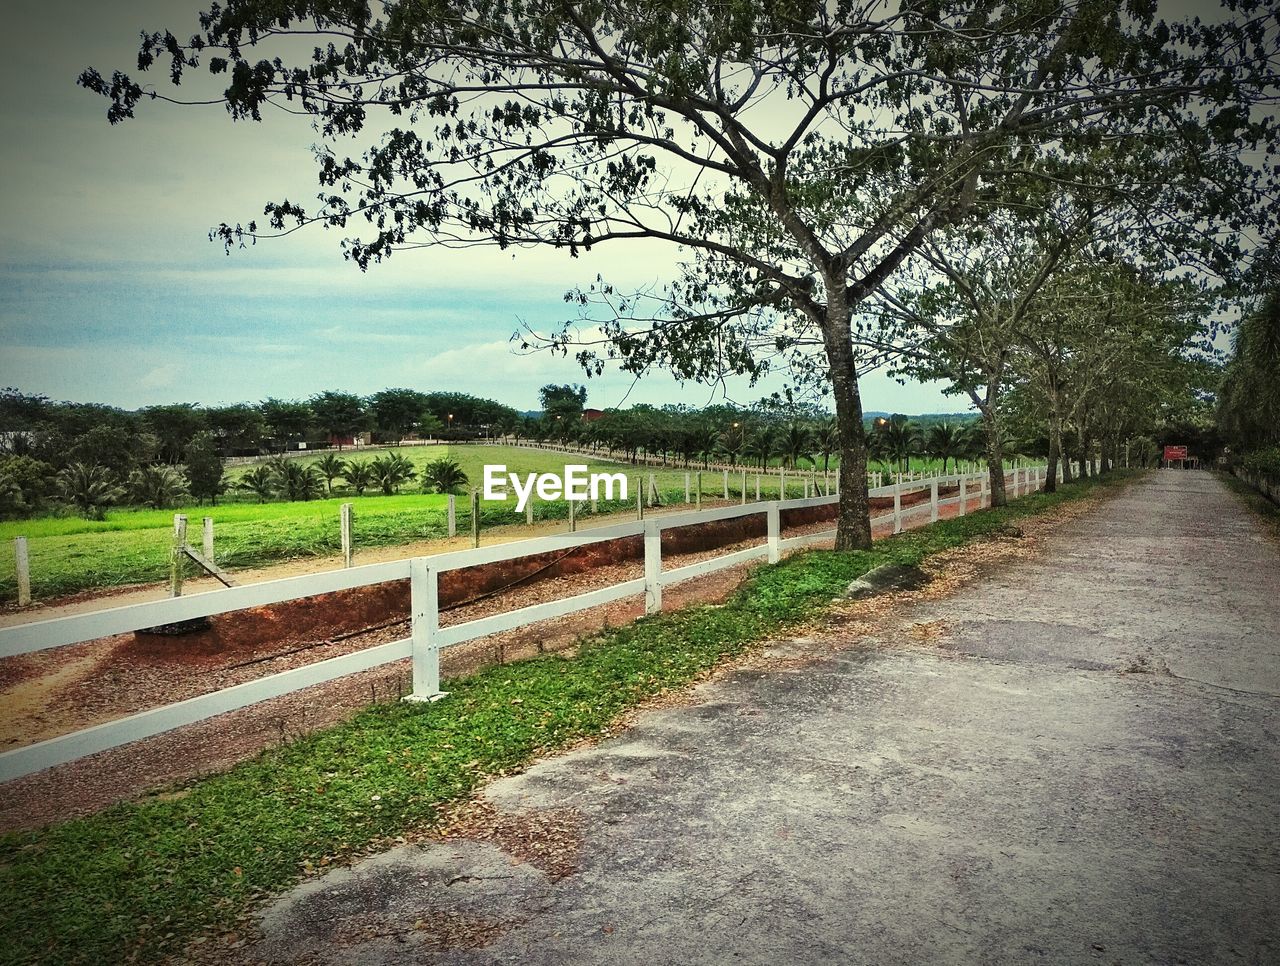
427,637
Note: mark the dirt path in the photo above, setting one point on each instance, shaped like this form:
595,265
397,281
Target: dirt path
1073,760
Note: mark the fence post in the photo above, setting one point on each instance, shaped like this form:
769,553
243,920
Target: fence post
528,511
344,525
782,486
697,496
757,487
964,497
453,515
744,487
639,500
424,594
652,567
897,508
573,523
22,564
653,491
726,485
207,541
933,501
177,559
475,518
688,488
773,517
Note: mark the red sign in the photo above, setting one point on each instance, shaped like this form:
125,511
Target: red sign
1175,453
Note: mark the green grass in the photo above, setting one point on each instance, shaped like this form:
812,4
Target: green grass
139,880
70,554
131,546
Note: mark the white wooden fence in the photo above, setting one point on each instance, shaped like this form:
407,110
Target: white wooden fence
427,637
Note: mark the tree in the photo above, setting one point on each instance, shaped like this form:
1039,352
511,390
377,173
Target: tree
261,481
295,480
564,401
396,412
360,475
174,426
898,120
331,466
797,444
1248,408
89,488
339,414
946,441
443,476
157,486
238,428
391,472
204,468
286,420
33,478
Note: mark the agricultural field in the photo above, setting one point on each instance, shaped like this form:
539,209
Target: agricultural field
131,546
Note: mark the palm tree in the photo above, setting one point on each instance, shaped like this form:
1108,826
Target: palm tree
733,441
763,445
702,441
359,475
826,436
391,472
443,476
261,481
945,441
331,466
296,480
899,440
797,444
89,488
157,486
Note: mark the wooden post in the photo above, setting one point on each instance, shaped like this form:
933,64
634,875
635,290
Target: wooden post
207,541
933,501
782,485
726,485
573,524
744,487
348,543
178,557
757,487
453,515
773,516
475,518
897,508
964,498
697,495
652,567
22,565
639,500
424,592
688,487
528,511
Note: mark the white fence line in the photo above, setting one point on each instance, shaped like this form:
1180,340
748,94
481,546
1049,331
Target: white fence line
427,636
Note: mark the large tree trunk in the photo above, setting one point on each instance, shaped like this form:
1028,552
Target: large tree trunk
1055,438
995,455
853,523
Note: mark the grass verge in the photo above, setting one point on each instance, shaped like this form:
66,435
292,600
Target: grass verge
138,880
1260,505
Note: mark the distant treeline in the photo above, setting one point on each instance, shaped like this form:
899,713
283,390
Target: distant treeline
88,456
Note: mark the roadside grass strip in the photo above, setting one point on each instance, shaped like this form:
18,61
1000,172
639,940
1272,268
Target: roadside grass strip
139,880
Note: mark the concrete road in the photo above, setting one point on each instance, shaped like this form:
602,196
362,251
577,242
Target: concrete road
1086,771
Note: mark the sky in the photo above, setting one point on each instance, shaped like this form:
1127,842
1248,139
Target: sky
110,290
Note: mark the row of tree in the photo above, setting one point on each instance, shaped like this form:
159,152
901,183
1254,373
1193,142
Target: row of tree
1020,197
91,489
1248,403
